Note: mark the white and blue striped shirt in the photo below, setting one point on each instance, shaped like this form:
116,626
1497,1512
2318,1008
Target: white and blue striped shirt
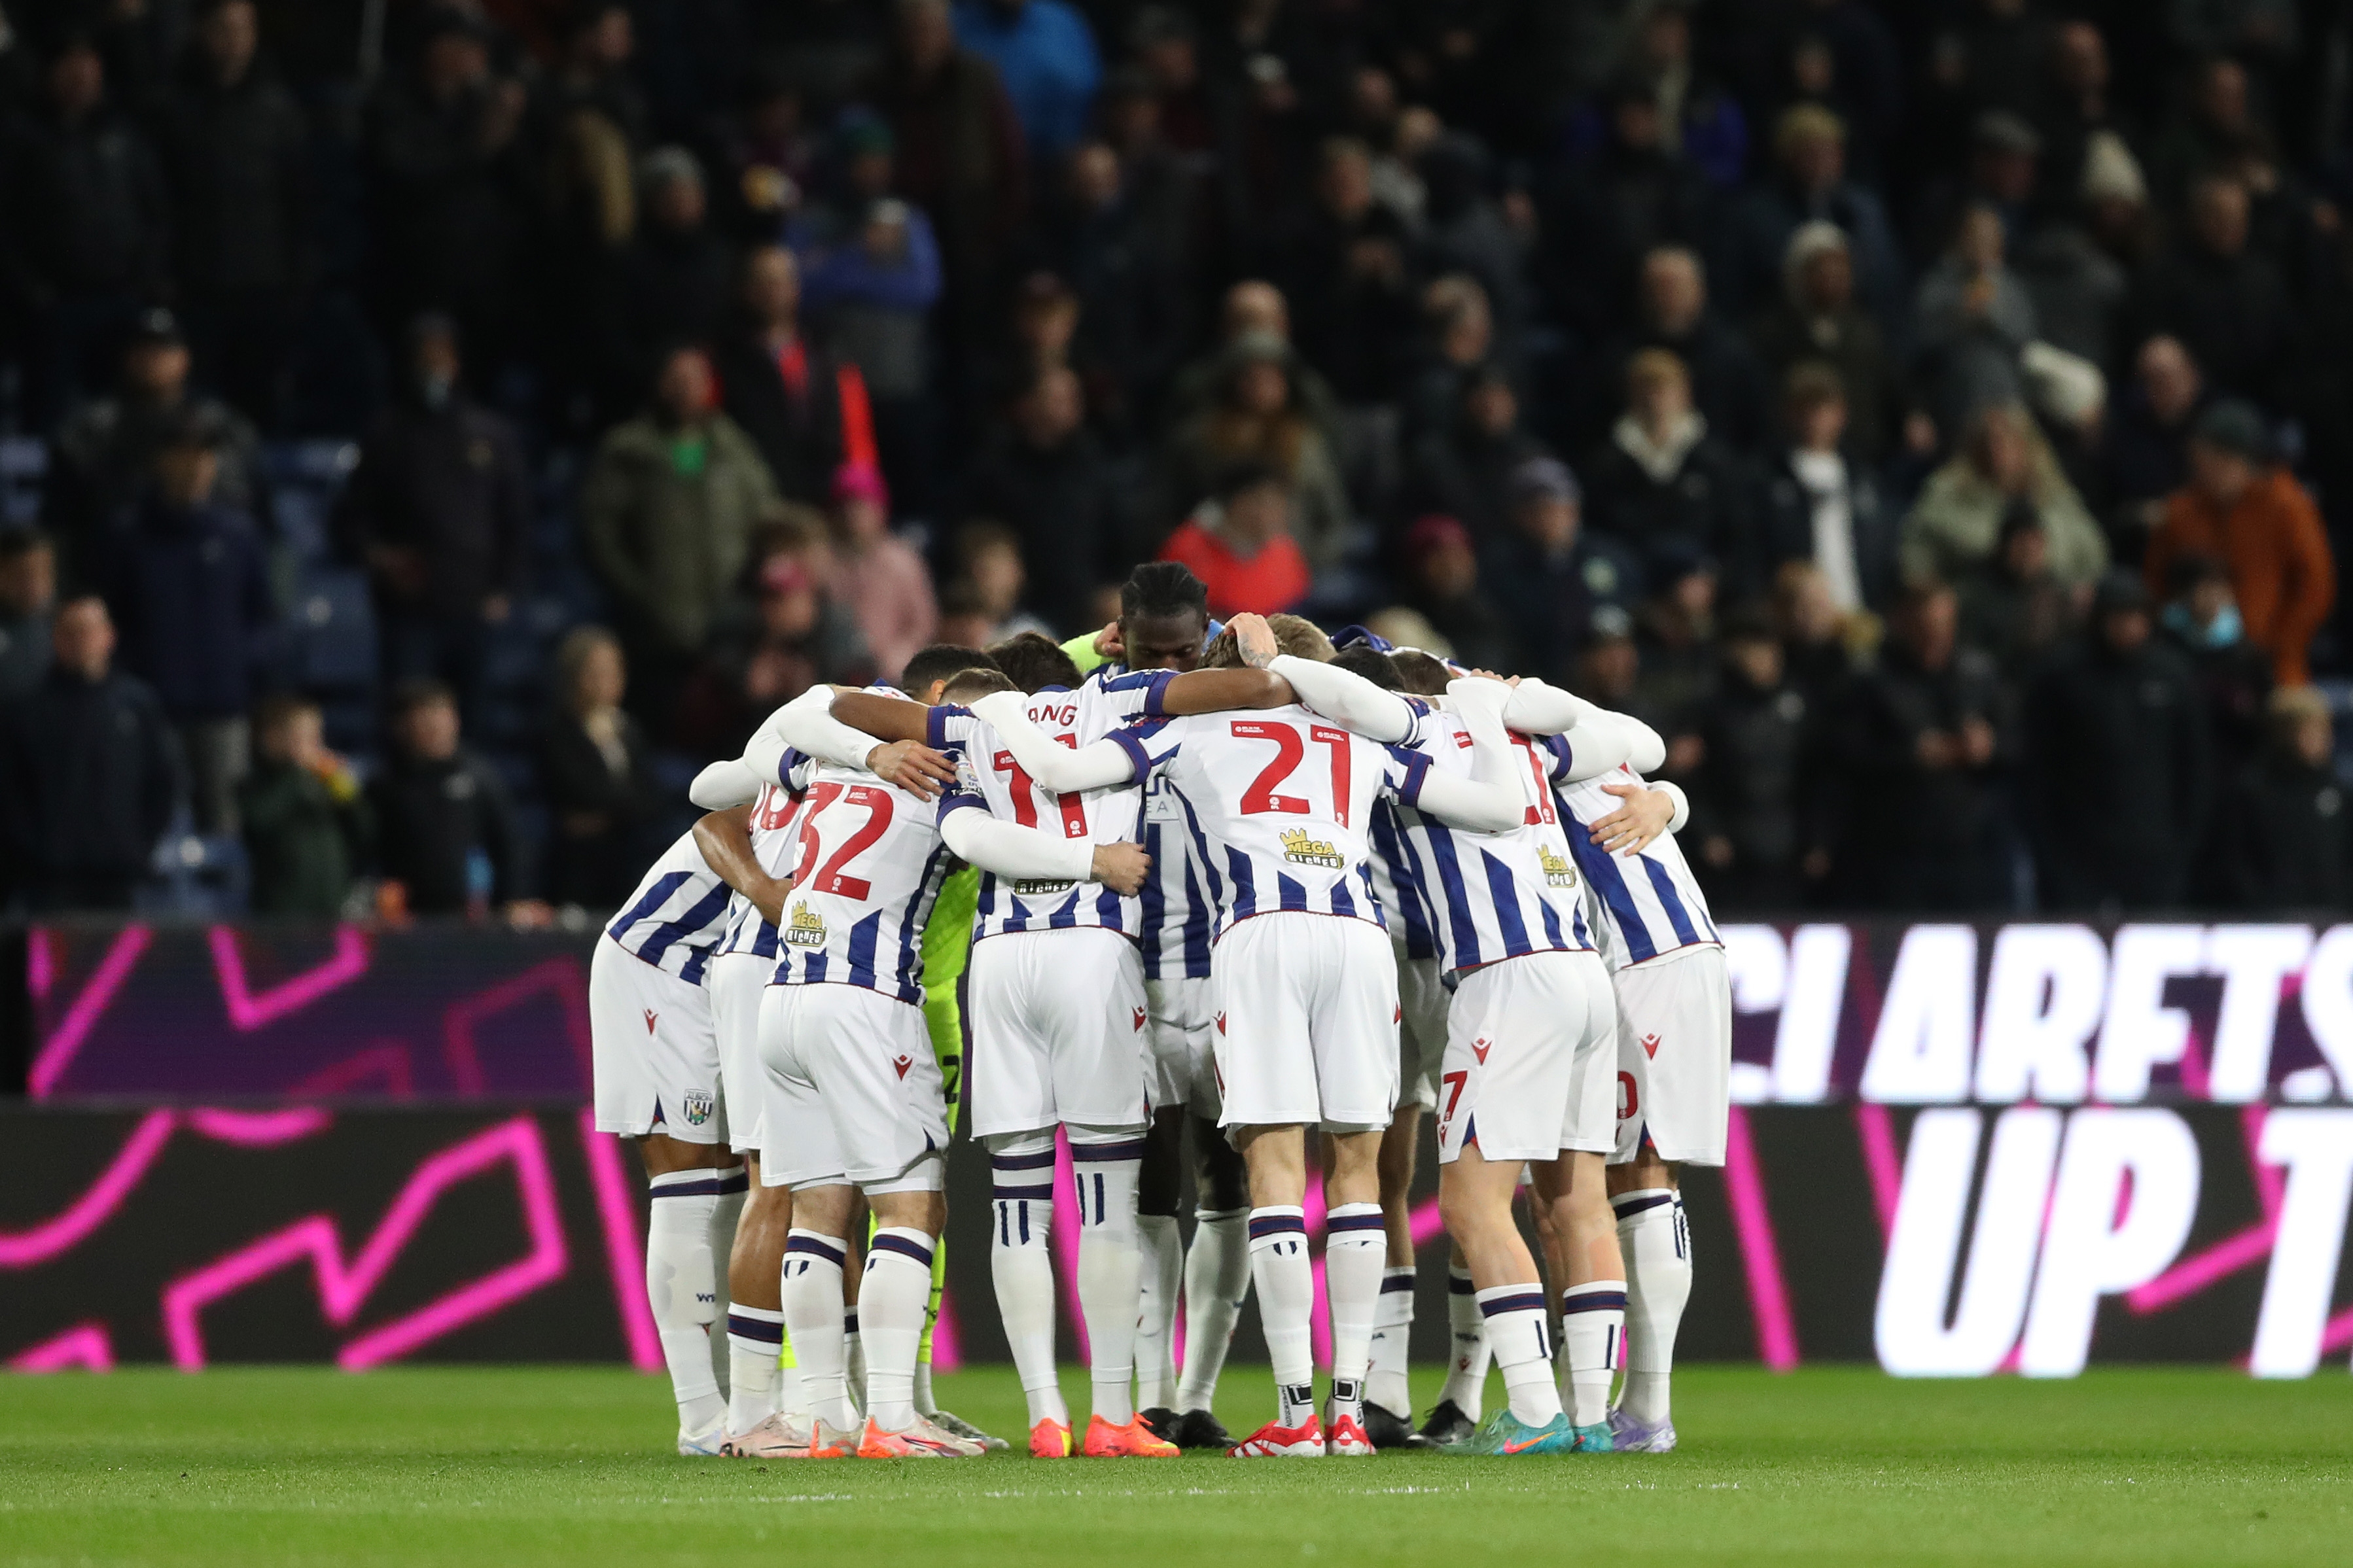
1487,897
988,779
869,864
1651,902
1175,911
775,838
677,914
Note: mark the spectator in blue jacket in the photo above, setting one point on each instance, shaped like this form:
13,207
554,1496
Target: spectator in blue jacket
1045,54
190,588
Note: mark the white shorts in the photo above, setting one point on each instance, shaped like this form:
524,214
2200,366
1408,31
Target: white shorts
1531,1059
1058,1032
652,1051
1305,1007
849,1091
1422,1006
1183,1069
736,982
1674,1058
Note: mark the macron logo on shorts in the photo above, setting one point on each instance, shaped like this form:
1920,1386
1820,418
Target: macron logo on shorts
1139,1017
1221,1022
1479,1048
1650,1044
902,1064
650,1020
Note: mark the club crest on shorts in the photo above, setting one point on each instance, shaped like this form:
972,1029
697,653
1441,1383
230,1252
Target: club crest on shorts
903,1063
1300,850
698,1105
650,1016
1558,872
804,928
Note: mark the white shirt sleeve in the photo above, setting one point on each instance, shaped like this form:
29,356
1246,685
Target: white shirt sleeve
1012,851
806,724
1348,699
1682,817
1490,800
723,784
1054,765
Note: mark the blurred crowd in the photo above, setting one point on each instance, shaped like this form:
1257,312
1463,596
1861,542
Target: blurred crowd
1935,418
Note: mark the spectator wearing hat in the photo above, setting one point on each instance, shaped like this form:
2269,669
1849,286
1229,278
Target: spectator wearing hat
666,510
445,821
2241,505
2285,836
2003,461
788,393
2117,768
236,154
102,457
1548,574
879,576
1820,506
439,510
1045,55
88,234
1810,185
90,773
1237,542
1464,471
1818,320
676,274
190,590
28,602
1442,582
1664,486
2200,620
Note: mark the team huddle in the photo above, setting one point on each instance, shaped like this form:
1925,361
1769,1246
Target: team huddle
1234,901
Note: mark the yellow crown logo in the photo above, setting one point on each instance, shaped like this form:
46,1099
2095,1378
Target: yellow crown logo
1558,872
805,929
1298,847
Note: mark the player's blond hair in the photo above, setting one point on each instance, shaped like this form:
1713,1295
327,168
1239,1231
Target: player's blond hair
1294,635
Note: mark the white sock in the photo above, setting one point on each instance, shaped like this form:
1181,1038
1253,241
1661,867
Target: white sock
853,1360
814,1317
682,1289
733,1188
754,1337
1022,1267
1217,1278
1109,1266
1656,1240
1155,1328
890,1306
1386,1385
1285,1281
1466,1370
1523,1348
1592,1333
1355,1256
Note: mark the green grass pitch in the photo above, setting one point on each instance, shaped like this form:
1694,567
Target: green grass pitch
567,1466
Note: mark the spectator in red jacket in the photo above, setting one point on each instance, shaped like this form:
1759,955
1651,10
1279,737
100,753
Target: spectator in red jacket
1239,542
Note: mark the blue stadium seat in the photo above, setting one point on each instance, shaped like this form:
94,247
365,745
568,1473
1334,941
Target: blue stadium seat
330,633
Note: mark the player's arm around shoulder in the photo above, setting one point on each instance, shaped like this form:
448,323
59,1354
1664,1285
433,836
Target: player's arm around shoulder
1054,765
1492,799
905,739
1021,853
724,837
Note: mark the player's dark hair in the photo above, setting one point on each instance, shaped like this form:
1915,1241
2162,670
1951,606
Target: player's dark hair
1363,658
971,685
941,661
1424,675
1035,661
1162,588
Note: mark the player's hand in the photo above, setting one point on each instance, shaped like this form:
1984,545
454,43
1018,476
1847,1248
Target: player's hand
1255,638
918,770
1629,829
1122,867
1109,644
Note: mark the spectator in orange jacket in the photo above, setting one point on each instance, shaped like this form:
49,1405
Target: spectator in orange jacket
2242,505
1239,542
